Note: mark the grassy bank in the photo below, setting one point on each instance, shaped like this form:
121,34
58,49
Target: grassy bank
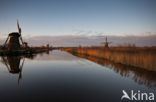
132,56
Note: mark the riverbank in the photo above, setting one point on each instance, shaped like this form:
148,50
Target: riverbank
141,76
131,56
30,50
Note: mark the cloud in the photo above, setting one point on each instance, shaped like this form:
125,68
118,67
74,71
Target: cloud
92,40
148,39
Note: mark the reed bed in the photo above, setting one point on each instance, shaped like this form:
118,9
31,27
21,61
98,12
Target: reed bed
132,56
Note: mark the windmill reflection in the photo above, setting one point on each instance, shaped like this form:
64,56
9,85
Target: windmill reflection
14,65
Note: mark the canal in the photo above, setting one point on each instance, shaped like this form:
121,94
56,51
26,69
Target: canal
62,77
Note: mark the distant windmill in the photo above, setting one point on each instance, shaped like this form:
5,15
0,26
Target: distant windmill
14,41
106,43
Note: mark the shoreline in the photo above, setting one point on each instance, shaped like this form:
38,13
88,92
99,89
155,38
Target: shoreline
144,58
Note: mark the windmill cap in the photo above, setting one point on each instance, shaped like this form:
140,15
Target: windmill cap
14,34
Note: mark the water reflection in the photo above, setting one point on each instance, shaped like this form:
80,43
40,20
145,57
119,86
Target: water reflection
140,76
60,76
14,64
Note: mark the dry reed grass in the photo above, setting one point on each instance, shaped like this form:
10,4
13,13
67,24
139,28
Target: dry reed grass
132,56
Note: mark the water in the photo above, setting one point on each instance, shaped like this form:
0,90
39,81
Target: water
61,77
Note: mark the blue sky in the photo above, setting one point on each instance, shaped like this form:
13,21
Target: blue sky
65,17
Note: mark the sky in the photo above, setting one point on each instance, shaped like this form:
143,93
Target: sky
78,17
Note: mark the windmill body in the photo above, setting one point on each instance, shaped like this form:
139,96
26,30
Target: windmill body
14,43
106,43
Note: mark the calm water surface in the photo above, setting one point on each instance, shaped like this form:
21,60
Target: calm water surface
61,77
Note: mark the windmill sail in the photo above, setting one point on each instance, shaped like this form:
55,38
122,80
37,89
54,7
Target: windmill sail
6,41
20,31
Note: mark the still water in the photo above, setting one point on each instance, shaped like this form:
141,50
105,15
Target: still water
62,77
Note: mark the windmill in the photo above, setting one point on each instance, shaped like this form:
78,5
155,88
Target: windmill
14,40
106,43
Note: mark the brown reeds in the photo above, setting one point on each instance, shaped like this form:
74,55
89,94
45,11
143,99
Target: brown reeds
132,56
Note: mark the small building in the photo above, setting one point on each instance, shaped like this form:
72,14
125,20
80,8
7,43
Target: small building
25,45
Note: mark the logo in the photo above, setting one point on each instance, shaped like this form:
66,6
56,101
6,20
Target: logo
137,95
